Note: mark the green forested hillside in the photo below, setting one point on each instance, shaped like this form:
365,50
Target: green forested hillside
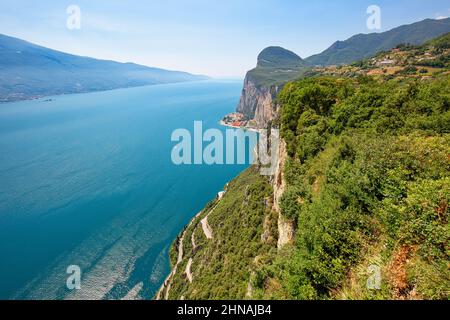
368,184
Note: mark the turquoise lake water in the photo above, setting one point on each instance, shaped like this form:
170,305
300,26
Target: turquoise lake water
88,180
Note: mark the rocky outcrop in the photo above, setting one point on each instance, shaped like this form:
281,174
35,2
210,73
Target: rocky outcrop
279,182
256,103
286,231
286,227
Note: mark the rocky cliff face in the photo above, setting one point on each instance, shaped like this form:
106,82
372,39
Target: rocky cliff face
286,227
256,103
275,66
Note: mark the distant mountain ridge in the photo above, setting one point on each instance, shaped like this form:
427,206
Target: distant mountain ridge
363,46
31,71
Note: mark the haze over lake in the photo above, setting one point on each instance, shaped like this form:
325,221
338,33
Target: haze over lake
88,180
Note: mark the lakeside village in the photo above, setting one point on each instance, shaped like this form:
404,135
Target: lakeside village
239,121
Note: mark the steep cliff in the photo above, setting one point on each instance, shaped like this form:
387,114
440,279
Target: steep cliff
257,103
286,227
275,67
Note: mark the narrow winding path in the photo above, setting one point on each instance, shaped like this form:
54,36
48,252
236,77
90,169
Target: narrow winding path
188,270
206,228
194,246
168,282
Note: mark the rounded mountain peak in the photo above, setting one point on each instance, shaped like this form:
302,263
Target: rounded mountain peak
279,57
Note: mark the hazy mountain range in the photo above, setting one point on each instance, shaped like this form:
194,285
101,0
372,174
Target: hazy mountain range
30,71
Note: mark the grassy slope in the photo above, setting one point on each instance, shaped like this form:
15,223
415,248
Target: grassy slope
266,76
222,266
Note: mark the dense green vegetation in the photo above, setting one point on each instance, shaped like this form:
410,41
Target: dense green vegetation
368,179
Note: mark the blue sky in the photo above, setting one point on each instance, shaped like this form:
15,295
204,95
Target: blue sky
220,38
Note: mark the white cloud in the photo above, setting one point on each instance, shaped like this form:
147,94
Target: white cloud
440,16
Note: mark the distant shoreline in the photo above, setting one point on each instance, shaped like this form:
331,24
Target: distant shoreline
52,97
